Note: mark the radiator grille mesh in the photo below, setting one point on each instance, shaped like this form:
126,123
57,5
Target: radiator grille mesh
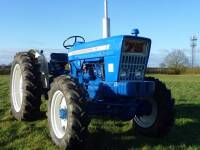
132,67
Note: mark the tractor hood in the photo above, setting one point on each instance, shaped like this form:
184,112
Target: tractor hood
99,48
116,52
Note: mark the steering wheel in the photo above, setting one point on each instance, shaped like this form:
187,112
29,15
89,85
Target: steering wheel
73,40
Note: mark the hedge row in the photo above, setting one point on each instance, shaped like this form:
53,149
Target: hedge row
5,71
160,71
171,71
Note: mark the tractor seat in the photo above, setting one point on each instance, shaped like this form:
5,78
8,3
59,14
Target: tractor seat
57,63
59,57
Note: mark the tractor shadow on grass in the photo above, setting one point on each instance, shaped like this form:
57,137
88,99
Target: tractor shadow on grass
186,132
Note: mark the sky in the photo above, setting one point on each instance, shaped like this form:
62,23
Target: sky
45,24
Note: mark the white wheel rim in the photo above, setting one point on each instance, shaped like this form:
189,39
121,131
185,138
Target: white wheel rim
147,121
17,88
59,124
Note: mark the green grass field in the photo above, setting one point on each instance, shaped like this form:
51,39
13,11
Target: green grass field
107,134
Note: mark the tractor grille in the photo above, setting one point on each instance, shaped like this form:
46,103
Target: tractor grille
132,67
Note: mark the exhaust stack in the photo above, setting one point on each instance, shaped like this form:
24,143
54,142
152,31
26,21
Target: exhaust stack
106,21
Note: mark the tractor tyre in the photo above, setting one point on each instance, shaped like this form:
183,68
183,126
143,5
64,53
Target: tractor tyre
67,118
161,119
25,87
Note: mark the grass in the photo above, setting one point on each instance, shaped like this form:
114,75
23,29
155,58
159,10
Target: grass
109,134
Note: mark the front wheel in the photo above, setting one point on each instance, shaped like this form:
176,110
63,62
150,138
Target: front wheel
161,118
66,114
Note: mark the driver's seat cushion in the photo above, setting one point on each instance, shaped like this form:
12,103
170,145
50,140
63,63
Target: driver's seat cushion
59,57
57,63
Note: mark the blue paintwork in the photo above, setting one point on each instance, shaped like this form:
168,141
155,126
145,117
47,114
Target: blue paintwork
117,89
135,32
108,94
63,113
110,56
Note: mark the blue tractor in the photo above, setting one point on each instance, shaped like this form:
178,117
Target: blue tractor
103,78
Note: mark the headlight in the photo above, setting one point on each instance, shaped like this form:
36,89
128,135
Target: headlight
138,74
124,74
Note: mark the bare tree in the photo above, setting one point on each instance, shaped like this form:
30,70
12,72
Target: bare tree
176,60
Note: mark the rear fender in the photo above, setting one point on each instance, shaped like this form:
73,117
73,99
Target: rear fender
43,65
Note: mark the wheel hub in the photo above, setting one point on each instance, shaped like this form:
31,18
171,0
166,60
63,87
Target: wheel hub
59,114
63,113
147,118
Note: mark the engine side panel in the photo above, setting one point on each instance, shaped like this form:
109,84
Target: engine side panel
107,49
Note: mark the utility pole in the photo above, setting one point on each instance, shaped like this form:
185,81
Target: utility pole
193,46
106,21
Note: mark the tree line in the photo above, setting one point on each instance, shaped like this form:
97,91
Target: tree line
176,62
5,69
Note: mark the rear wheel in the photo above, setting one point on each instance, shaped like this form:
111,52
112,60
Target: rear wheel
67,118
161,118
25,88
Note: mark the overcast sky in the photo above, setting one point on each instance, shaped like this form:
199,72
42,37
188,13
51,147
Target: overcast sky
44,24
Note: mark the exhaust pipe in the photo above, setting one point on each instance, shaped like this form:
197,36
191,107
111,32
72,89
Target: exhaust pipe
106,21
